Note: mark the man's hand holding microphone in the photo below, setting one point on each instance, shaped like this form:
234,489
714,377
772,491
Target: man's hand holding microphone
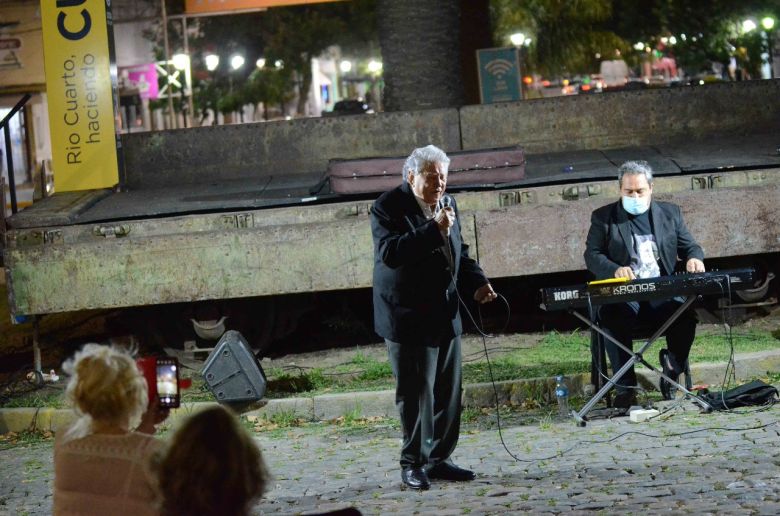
445,219
445,215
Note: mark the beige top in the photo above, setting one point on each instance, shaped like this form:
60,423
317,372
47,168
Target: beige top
104,474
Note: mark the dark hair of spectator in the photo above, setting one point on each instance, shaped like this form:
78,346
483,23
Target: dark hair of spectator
211,467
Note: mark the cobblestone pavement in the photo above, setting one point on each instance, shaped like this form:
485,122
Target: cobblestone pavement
725,463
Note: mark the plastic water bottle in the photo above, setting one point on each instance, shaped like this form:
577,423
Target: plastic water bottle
562,394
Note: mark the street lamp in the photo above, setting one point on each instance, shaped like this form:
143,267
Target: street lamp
345,66
768,23
748,25
181,61
237,61
260,63
212,62
374,66
517,39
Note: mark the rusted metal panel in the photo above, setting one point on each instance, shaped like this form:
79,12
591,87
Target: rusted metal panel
190,224
226,262
188,267
301,146
545,238
59,209
624,118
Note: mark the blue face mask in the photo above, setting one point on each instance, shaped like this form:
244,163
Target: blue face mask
635,205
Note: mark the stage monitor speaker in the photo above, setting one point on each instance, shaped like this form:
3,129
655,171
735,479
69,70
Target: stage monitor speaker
232,372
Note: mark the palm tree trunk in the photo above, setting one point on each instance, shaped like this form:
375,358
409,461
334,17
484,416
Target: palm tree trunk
420,53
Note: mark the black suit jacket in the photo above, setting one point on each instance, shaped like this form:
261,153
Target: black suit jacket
414,286
609,241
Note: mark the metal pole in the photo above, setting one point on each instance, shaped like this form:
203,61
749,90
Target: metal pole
188,73
36,344
172,117
9,159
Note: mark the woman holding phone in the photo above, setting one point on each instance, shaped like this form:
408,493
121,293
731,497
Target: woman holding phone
101,462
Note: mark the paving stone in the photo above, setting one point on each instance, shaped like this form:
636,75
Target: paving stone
324,468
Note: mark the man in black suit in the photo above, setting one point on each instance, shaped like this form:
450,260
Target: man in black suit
421,269
637,237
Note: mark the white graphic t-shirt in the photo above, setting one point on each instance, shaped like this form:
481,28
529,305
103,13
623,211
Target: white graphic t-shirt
644,255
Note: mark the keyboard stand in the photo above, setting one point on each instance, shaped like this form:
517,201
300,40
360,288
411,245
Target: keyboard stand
636,357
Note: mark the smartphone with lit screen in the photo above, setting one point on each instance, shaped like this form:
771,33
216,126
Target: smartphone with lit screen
168,382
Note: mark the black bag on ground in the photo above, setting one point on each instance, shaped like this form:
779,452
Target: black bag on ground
749,395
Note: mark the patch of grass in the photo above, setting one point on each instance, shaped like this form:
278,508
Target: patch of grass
374,371
546,422
24,438
556,353
284,419
713,346
46,397
469,414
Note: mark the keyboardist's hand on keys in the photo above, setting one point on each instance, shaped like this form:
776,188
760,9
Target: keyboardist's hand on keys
694,265
625,272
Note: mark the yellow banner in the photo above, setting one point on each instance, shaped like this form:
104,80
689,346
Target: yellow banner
222,6
79,93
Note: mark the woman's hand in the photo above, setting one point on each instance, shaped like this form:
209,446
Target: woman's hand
153,416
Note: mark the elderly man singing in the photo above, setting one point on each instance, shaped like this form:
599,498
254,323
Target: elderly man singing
421,271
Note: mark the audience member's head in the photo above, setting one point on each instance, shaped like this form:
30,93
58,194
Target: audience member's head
210,467
106,388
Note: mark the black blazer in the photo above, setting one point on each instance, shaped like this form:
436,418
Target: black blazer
414,291
609,239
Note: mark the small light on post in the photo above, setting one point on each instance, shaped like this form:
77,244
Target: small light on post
181,61
212,62
517,39
237,61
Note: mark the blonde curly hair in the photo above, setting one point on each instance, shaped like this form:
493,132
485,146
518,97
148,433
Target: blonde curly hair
211,467
105,386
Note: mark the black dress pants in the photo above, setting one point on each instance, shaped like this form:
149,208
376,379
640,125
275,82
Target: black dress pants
428,398
621,320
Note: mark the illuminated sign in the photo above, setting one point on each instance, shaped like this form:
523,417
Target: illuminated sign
80,89
499,75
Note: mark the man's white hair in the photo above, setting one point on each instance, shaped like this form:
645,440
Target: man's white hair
422,155
635,168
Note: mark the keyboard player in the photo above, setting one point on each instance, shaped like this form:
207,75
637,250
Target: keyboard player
637,237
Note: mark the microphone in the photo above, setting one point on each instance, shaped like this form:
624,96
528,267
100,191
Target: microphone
444,203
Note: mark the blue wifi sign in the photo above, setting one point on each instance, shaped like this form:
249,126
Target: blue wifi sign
499,75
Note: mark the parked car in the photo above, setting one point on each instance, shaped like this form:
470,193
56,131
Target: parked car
349,107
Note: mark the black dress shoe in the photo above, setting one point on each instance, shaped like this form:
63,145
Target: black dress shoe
670,369
416,478
624,400
449,471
